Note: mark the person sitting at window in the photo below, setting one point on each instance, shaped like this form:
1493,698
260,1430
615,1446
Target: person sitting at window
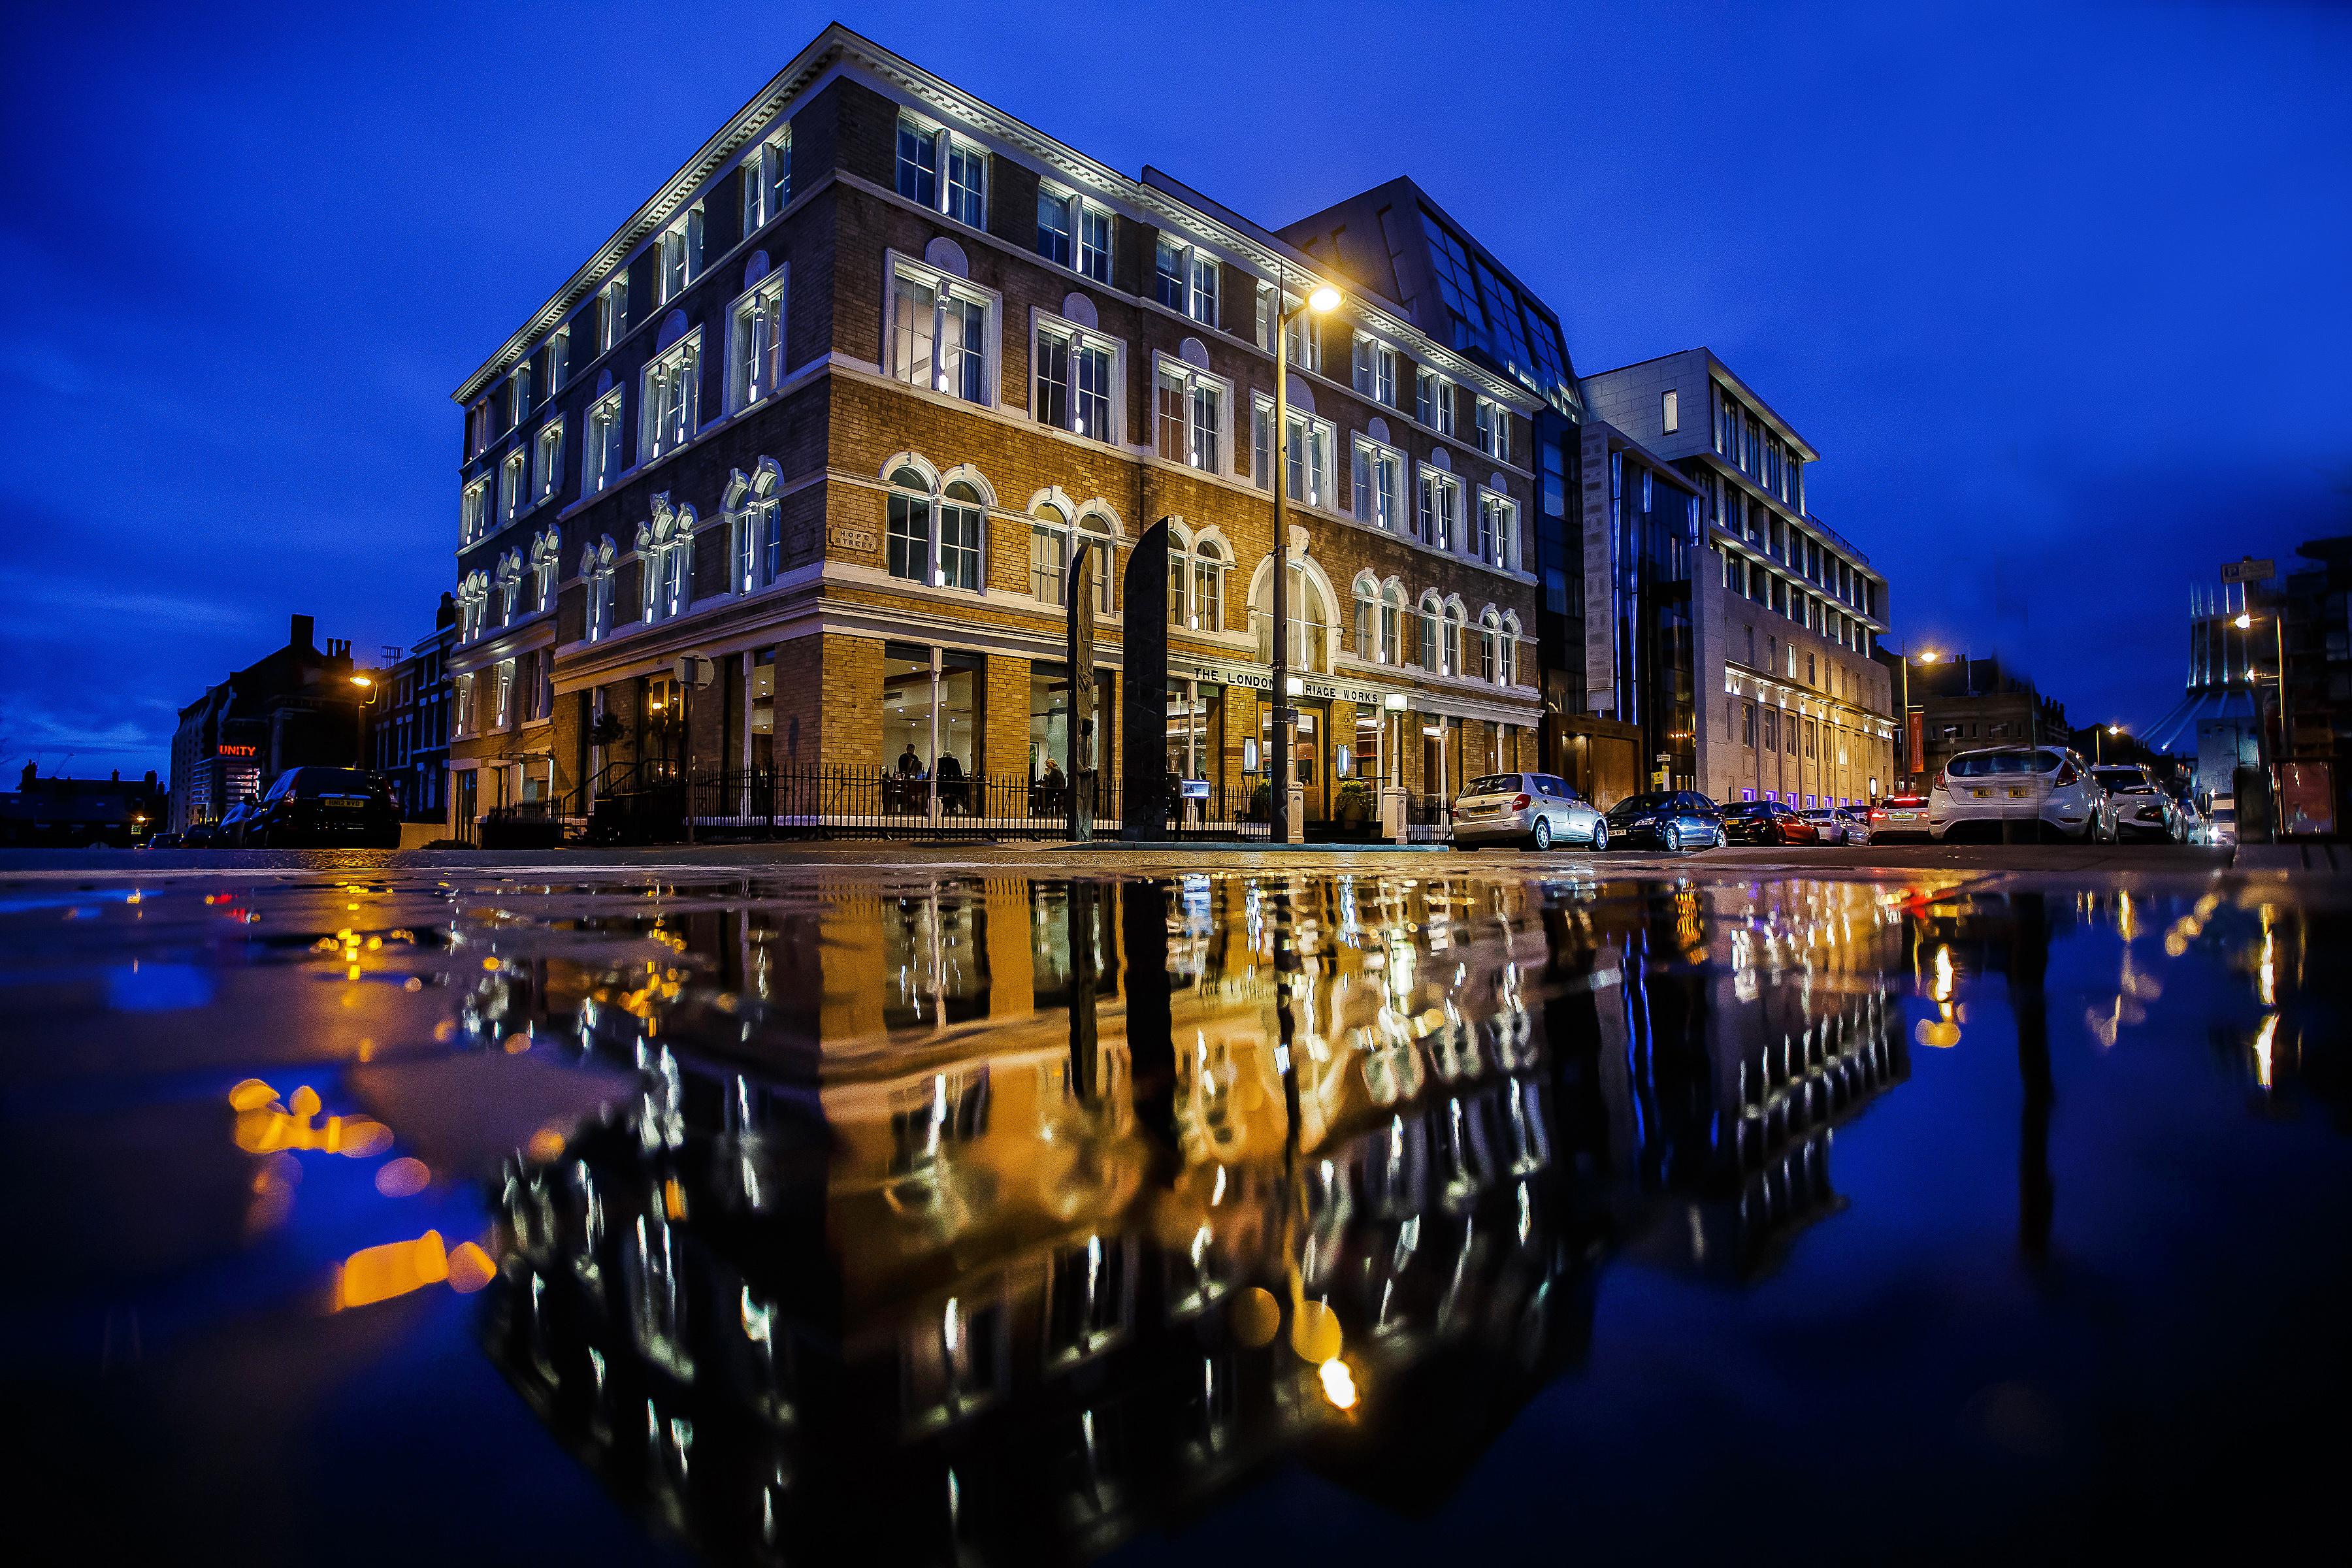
911,766
955,794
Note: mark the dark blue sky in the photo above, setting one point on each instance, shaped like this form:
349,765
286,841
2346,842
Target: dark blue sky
2061,295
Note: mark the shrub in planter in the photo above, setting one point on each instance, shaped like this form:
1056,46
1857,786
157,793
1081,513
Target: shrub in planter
1353,805
1261,804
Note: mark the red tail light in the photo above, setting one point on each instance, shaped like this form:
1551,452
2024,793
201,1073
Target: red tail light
1521,801
2066,773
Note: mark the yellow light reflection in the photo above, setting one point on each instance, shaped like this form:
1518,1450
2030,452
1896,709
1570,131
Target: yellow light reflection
2264,1044
396,1268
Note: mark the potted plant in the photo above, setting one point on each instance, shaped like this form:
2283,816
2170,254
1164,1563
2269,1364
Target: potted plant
1352,806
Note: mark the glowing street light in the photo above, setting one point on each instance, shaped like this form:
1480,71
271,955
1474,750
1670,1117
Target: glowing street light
1323,299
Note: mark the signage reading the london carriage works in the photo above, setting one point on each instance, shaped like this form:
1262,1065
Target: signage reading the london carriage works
228,750
1309,688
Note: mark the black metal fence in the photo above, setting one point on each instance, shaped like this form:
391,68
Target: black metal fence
871,803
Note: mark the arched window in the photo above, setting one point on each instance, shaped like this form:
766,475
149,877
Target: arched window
1310,618
1100,559
909,550
510,586
1433,633
1367,615
473,605
1391,643
1049,554
543,552
1180,577
935,542
666,556
755,544
596,572
1490,633
1208,587
1452,646
1508,673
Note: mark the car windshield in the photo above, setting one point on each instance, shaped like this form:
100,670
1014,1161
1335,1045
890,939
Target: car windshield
1634,804
2122,778
332,781
1991,764
1749,809
1495,783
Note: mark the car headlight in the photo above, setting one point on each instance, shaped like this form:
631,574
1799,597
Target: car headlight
1645,822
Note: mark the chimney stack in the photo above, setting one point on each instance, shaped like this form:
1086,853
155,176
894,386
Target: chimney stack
299,637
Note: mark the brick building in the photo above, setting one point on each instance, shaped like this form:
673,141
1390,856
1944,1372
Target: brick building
1969,704
1736,628
297,706
832,407
408,727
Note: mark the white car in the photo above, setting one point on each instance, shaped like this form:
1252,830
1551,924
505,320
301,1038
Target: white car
2142,809
1538,810
1898,816
2221,826
2045,786
1839,825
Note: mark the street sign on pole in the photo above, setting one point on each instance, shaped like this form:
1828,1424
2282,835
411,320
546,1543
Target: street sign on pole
2249,570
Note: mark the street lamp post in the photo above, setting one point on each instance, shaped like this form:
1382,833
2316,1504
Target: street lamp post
1902,740
368,685
1322,300
2278,626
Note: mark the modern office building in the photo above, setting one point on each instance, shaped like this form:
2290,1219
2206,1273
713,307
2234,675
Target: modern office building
1727,589
832,407
296,706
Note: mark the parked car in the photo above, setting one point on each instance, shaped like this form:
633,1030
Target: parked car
2046,787
1535,809
1839,825
325,806
1674,819
2221,826
229,832
2193,826
163,841
1898,816
1767,822
2142,808
200,836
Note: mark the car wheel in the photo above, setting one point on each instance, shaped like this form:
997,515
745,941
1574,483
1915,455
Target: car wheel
1674,838
1599,839
1542,837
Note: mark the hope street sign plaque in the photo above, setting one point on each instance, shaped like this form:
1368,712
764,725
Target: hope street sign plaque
2249,570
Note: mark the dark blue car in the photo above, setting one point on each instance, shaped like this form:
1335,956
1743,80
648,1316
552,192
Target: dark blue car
1666,819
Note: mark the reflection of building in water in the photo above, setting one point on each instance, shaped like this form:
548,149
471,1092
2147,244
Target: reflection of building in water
1747,1039
941,1232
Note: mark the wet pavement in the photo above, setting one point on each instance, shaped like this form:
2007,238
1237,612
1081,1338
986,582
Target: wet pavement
1407,1209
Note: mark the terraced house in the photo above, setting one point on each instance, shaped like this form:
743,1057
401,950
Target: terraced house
832,410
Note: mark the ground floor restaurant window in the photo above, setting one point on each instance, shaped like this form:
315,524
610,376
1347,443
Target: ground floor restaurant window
1363,756
762,724
930,735
1195,712
1049,718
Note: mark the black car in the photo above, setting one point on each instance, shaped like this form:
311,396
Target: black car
325,806
1670,819
228,833
1767,822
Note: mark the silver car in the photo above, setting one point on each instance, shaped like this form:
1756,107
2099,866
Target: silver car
1839,825
1538,810
2142,808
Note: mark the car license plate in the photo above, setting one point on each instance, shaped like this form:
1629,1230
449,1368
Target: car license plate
1981,794
2016,794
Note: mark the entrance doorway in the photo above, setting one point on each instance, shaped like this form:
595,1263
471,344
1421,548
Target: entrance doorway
468,793
1310,761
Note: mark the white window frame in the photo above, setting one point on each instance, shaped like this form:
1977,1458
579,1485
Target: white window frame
1497,530
547,461
1445,531
1375,369
1370,458
678,256
755,363
1045,327
514,485
1432,399
935,499
474,509
1670,411
946,145
1194,381
1319,480
767,181
1494,428
612,312
1197,301
944,286
680,418
600,462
